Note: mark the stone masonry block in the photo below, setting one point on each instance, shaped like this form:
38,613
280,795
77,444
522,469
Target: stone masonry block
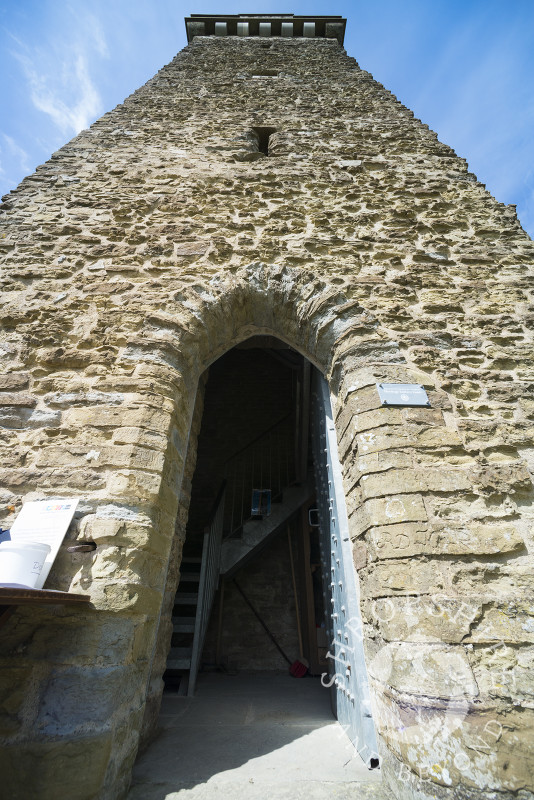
17,399
510,622
44,770
14,381
429,670
123,533
81,698
92,639
115,417
381,511
413,480
425,619
405,578
503,671
405,540
122,596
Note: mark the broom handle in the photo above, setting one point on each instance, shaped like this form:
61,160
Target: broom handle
295,589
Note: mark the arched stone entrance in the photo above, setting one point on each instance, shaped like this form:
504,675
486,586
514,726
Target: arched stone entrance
313,317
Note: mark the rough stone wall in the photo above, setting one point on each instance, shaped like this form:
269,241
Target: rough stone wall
155,241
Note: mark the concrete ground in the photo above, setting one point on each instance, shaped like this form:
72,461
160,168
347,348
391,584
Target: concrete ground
252,737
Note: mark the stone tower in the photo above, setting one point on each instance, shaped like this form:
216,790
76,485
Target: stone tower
262,184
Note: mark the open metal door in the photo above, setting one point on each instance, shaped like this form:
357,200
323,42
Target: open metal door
347,671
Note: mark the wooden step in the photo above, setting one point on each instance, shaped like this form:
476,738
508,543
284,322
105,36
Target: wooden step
183,624
192,560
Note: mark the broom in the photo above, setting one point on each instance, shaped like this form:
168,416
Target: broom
300,667
262,623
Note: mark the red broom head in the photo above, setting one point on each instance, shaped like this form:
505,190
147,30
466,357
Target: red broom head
298,669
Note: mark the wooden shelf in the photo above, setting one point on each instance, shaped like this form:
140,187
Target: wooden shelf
10,594
11,597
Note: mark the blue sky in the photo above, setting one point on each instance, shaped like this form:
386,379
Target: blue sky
465,67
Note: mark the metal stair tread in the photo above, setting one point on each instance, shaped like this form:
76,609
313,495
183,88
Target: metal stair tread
180,652
179,658
183,624
186,598
189,577
179,663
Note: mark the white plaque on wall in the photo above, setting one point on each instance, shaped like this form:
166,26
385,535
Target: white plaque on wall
45,521
402,394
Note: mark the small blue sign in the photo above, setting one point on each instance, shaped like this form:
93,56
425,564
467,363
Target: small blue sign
261,503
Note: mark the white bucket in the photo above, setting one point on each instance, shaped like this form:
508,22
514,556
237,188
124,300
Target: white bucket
22,563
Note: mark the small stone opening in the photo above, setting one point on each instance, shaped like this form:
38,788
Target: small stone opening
265,73
263,135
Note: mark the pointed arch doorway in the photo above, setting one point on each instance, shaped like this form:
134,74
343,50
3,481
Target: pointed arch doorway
267,533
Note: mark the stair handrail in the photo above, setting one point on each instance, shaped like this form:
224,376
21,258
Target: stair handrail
242,467
208,582
258,438
216,504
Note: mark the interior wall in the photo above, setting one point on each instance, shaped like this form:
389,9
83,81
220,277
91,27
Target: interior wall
244,646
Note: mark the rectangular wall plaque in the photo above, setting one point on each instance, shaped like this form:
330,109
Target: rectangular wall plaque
402,394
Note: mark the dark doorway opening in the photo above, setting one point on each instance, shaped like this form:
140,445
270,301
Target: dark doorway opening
253,447
267,576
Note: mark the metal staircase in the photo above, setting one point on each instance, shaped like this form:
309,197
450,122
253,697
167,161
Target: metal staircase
233,536
267,462
184,613
193,601
256,533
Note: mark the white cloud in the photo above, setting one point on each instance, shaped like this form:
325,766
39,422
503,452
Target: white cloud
16,152
93,29
52,96
59,73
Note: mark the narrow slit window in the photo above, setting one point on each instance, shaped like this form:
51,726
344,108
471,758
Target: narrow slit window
265,73
263,135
